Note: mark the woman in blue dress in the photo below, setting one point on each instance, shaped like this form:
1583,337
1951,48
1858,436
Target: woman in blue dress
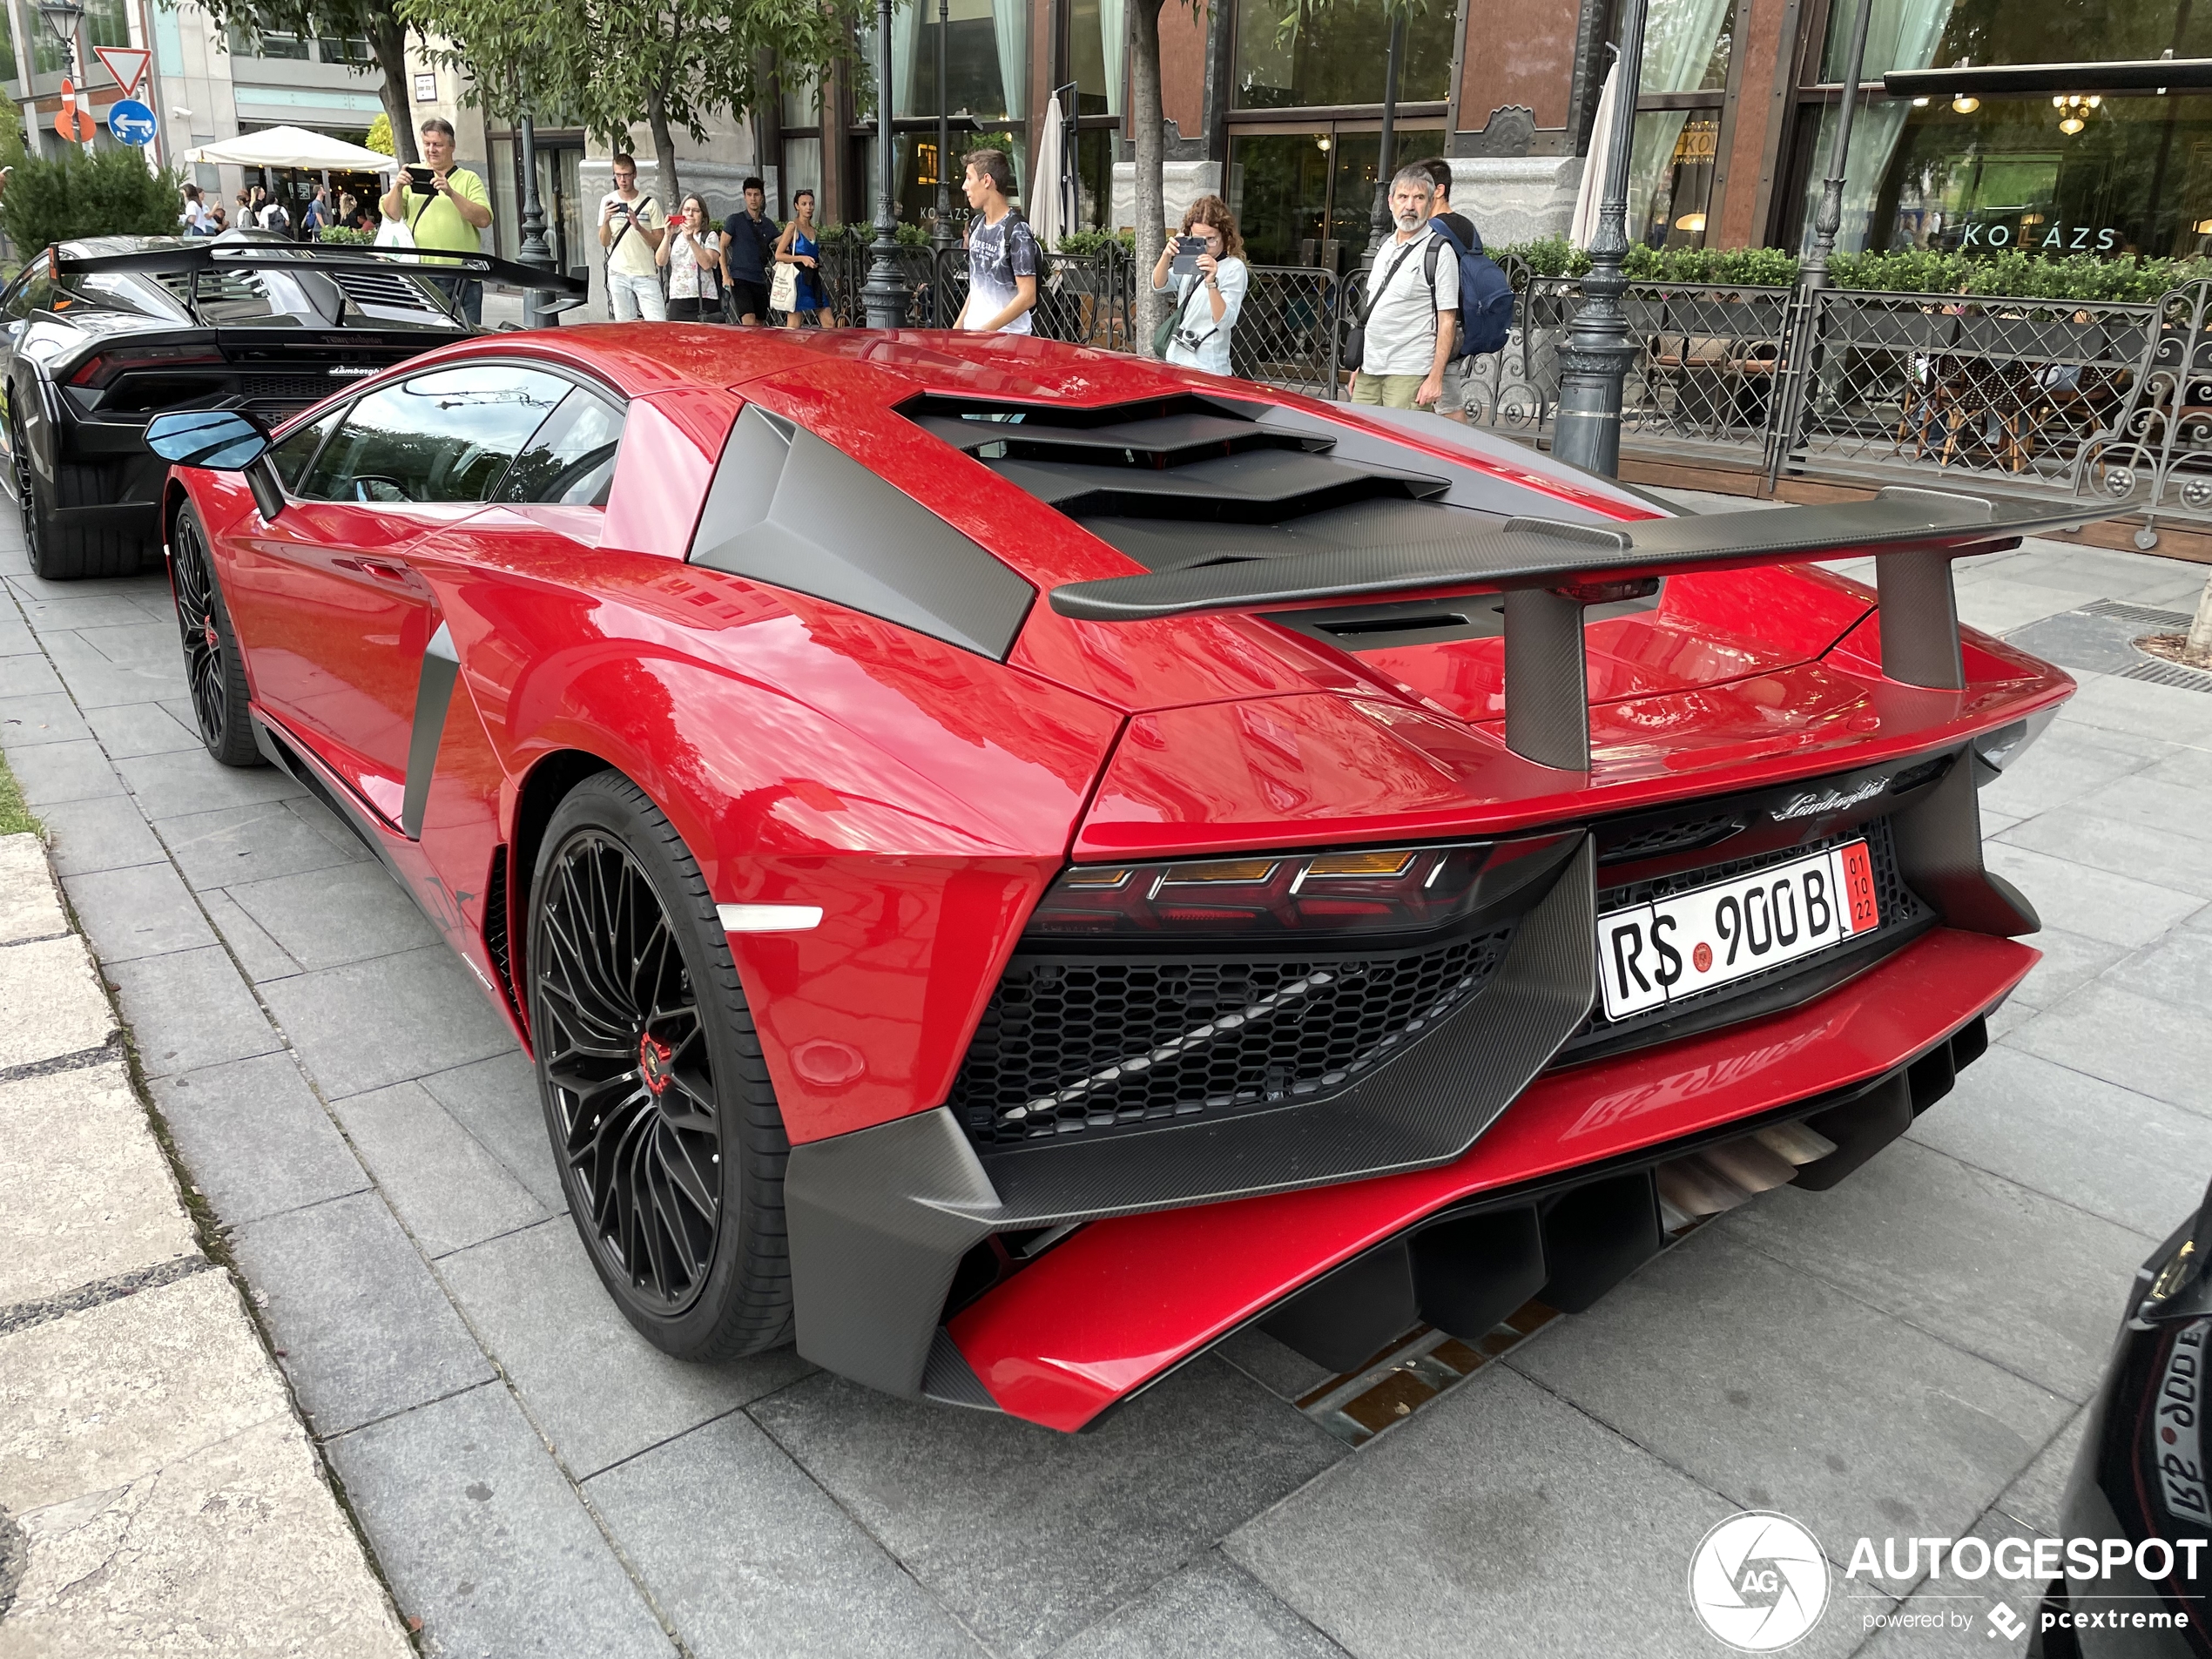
798,246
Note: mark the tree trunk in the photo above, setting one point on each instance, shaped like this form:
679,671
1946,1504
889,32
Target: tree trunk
2198,652
663,150
1145,121
388,40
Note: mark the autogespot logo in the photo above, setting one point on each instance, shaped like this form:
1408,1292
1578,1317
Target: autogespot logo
1758,1581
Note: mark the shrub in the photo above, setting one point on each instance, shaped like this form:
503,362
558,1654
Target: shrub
1082,245
88,193
346,234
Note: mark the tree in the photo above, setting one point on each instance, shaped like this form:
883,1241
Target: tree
84,192
374,21
380,135
668,64
1147,122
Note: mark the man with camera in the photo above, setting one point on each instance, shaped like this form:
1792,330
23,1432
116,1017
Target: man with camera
443,206
631,226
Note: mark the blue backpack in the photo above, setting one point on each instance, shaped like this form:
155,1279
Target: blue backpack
1486,295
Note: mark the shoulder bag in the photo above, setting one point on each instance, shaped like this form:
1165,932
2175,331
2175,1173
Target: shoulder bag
1355,341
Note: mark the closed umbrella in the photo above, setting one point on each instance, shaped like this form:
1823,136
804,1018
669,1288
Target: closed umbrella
1583,231
1048,202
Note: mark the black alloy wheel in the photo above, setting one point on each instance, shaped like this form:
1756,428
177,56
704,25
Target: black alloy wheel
214,672
660,1113
26,486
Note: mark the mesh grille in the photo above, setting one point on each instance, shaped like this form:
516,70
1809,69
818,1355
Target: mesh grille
1900,906
1085,1046
1667,838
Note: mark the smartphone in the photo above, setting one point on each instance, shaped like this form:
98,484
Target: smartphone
418,178
1187,249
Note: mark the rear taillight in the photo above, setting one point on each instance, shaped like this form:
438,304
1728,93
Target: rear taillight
104,368
1386,890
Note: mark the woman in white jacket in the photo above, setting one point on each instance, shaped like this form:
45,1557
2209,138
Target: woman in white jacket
1206,304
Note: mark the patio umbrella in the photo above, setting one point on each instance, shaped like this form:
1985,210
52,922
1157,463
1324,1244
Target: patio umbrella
1048,202
1583,231
291,147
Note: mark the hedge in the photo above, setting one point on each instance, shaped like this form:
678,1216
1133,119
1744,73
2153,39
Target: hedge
1907,271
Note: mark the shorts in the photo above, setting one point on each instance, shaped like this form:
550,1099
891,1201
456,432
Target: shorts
694,311
1391,391
1455,386
748,299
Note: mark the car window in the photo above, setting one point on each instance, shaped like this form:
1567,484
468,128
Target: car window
122,292
448,435
291,456
571,460
36,293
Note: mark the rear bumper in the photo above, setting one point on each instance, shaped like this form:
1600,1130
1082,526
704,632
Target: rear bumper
1126,1300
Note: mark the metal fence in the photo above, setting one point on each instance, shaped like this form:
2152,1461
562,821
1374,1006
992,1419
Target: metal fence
2090,395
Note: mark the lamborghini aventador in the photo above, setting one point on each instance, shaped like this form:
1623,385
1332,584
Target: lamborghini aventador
1014,862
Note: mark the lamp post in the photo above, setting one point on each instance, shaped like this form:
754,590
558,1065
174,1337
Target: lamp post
883,293
1828,218
535,250
1594,364
63,17
1379,223
941,233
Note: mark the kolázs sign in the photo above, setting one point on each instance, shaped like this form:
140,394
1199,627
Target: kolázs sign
2040,238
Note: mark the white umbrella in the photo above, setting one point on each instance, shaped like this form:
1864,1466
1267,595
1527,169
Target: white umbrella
1583,231
291,147
1047,203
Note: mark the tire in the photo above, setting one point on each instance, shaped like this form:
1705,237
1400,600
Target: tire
699,1265
214,669
71,552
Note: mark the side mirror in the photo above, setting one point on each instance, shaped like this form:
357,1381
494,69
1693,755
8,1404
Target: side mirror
223,440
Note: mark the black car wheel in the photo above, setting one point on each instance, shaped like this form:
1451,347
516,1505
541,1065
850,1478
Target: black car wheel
661,1114
63,551
214,672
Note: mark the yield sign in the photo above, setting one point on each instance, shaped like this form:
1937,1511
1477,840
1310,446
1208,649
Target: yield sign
127,64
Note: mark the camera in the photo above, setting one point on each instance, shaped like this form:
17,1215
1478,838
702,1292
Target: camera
418,179
1187,249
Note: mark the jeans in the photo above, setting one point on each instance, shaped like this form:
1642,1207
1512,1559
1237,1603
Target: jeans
632,297
468,292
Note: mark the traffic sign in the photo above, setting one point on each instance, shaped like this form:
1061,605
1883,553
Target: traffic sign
127,63
73,123
130,121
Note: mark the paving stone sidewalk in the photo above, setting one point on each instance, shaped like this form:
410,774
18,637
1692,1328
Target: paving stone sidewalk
157,1491
1907,1354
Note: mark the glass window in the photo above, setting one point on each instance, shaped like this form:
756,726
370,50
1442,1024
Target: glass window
271,43
292,455
1308,197
1292,56
2135,177
571,459
1674,203
1918,34
987,57
107,22
32,293
445,436
123,293
1098,37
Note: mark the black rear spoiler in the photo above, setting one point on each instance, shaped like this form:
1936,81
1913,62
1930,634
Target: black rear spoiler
1549,571
215,256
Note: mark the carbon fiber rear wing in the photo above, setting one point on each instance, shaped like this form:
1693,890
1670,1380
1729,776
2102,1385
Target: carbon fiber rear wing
1550,571
218,255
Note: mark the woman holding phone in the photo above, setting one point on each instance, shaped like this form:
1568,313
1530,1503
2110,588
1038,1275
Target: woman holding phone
1208,286
798,247
691,254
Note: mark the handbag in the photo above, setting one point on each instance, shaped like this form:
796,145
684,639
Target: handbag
783,289
1355,341
394,233
1164,337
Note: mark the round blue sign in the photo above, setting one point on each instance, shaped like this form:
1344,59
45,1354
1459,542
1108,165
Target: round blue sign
130,121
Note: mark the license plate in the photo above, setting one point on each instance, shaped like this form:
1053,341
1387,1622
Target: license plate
1649,955
2179,1451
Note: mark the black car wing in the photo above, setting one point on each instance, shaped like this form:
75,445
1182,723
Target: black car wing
220,256
1550,571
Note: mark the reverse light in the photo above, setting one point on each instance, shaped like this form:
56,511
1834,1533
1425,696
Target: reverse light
1380,890
2177,1286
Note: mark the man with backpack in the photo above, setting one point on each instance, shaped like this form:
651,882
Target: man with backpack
1408,314
1485,295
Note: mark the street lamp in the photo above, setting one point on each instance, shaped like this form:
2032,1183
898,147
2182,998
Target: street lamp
884,294
1594,364
1828,218
941,233
63,17
535,250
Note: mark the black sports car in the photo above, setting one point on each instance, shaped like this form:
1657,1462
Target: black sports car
2142,1488
98,336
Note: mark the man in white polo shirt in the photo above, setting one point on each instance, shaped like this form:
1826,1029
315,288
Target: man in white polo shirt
1412,304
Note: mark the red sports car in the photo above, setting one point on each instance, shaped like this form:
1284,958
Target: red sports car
1016,862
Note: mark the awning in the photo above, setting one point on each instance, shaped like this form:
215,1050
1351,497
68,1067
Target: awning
290,147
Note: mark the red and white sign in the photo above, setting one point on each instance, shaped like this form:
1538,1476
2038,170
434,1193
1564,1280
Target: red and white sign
73,123
127,63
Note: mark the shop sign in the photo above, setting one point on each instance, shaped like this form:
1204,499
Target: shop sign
2041,239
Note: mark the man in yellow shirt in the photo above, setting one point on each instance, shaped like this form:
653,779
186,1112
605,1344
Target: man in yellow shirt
450,215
